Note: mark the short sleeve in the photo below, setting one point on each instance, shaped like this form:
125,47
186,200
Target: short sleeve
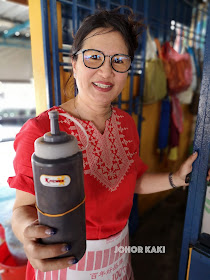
140,165
24,147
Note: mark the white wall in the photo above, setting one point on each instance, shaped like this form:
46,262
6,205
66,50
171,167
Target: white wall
17,95
15,64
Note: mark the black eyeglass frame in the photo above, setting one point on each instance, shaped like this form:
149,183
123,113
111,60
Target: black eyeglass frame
110,56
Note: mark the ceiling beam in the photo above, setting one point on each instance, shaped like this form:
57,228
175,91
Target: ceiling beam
23,2
16,28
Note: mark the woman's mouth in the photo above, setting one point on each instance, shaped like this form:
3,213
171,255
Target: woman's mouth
103,86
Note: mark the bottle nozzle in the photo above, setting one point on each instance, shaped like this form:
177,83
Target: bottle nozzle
55,135
54,126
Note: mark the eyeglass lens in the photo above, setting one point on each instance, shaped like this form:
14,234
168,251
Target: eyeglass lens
94,59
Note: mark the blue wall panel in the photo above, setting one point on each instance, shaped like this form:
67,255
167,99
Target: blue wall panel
197,188
199,266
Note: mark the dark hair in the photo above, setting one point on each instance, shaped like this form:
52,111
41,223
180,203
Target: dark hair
124,23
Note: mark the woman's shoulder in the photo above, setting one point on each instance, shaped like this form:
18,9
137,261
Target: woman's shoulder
123,115
40,122
127,123
34,127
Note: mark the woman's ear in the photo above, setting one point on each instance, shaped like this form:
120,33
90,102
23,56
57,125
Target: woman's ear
73,62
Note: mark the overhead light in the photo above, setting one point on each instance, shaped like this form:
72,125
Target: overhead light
17,33
173,22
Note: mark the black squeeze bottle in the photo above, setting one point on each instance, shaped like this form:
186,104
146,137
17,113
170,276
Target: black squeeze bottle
59,188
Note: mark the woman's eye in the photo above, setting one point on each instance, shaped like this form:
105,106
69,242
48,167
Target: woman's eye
95,57
118,61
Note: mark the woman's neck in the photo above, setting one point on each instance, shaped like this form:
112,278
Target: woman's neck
91,112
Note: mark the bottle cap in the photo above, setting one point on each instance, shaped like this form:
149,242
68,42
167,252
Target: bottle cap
55,135
55,144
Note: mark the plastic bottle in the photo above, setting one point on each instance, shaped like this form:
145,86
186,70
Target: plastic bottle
59,187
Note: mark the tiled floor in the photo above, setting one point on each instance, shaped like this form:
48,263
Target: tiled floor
162,226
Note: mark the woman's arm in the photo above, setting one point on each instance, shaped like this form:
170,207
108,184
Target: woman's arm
28,230
24,213
150,183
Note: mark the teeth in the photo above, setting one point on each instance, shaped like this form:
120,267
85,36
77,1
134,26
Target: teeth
102,85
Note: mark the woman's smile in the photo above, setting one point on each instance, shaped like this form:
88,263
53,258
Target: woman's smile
103,86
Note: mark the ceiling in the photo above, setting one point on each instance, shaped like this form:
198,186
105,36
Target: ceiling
15,47
14,23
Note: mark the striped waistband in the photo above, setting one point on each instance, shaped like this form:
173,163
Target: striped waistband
100,261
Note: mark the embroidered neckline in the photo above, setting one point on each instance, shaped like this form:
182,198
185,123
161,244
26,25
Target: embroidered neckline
108,156
87,122
90,122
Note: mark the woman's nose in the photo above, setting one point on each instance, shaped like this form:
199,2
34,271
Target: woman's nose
106,69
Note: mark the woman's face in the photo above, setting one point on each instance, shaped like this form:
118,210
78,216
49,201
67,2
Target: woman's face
100,86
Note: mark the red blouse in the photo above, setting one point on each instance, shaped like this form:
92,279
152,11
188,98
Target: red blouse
111,167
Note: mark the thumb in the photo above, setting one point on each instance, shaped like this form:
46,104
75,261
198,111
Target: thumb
192,158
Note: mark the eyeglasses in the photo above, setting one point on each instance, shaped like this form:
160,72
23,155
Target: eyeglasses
94,59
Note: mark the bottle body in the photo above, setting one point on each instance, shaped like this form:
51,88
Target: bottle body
59,188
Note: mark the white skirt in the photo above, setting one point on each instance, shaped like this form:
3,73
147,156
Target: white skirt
99,262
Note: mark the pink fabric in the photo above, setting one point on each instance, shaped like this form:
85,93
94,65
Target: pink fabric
177,113
92,266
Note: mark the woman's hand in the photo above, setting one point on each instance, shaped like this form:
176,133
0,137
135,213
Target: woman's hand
186,168
208,176
40,255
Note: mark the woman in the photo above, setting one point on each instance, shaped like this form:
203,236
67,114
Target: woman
102,53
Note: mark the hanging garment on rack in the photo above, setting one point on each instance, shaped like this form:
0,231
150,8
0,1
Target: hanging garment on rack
155,85
194,83
185,97
178,69
164,124
196,95
176,113
173,141
163,134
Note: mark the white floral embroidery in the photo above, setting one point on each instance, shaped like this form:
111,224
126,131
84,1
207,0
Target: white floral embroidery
108,157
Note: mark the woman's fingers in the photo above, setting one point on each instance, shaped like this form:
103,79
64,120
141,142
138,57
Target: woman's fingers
43,251
185,169
53,264
189,161
208,176
43,256
35,230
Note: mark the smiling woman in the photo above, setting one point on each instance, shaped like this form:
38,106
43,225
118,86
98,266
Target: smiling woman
102,53
98,76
